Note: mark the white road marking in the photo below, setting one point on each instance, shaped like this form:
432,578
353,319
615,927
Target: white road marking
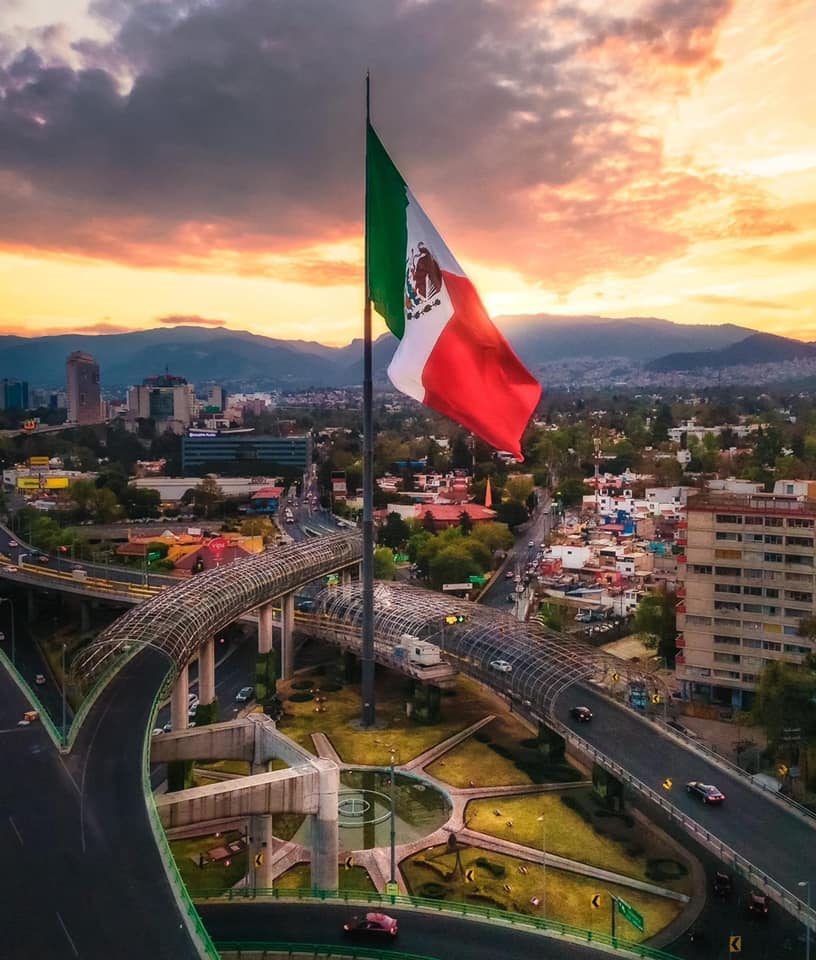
67,935
16,831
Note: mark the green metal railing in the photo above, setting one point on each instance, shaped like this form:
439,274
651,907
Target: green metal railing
313,950
92,696
45,717
182,897
474,911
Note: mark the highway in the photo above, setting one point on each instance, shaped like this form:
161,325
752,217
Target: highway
426,934
759,828
81,874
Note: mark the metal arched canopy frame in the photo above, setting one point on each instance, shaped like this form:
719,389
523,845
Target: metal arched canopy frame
542,662
181,618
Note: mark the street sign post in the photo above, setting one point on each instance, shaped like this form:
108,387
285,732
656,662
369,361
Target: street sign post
628,912
735,943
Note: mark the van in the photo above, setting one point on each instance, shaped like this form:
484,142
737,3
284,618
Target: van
79,573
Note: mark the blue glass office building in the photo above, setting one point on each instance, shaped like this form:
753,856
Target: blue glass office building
200,447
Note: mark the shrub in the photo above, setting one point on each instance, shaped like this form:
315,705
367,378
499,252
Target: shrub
572,804
432,890
440,869
302,684
495,869
300,697
665,869
331,687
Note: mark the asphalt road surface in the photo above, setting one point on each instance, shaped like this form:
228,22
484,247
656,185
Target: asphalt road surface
437,936
757,827
81,874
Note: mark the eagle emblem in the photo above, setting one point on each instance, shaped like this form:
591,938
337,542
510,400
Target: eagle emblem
423,281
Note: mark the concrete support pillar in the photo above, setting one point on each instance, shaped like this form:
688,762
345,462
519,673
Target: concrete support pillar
84,616
206,672
324,827
287,636
345,576
266,619
179,701
260,851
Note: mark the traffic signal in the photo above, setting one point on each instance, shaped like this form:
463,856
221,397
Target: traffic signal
452,618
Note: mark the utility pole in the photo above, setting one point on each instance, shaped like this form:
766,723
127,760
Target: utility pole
393,876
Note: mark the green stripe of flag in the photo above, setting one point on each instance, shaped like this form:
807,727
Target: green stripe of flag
386,234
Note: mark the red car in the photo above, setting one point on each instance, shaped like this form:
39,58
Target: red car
378,924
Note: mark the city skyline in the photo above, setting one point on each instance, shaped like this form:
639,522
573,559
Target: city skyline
160,167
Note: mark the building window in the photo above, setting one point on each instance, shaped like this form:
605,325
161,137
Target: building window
729,588
726,658
799,596
726,674
774,521
795,648
727,571
728,518
799,542
700,568
752,643
774,538
773,558
727,641
731,555
749,678
796,560
695,620
727,622
771,592
800,523
752,591
725,605
730,536
771,645
751,574
753,520
753,538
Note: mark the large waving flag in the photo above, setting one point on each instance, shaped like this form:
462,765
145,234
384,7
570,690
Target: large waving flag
450,356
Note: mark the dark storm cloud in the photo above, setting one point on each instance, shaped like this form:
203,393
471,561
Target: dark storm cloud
238,124
177,320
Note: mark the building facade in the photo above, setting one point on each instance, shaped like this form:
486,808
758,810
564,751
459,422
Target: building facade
167,400
748,583
13,395
82,379
200,447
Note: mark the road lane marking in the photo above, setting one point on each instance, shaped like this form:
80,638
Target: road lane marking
67,935
16,831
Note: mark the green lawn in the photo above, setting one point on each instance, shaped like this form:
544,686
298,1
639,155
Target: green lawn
474,764
394,729
606,843
562,896
299,877
213,878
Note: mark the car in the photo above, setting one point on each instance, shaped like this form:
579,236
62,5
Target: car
530,544
758,904
705,792
375,924
581,714
245,694
42,559
158,731
509,575
501,665
511,598
722,885
13,543
39,679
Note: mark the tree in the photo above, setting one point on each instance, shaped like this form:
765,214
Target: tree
786,698
519,488
465,523
394,533
428,522
384,566
512,513
258,527
656,620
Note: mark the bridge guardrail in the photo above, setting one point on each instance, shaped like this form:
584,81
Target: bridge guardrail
454,906
273,950
45,718
192,920
736,861
720,760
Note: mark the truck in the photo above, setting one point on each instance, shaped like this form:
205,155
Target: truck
417,652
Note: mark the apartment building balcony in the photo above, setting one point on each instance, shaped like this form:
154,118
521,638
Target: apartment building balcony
681,541
680,640
680,592
682,524
681,558
680,608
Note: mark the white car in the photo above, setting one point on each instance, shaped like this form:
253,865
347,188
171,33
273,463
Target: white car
13,543
501,665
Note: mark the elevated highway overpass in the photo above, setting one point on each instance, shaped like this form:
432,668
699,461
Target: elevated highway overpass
752,828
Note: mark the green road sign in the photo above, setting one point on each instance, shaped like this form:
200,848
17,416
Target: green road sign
401,558
477,580
629,913
153,555
392,889
332,580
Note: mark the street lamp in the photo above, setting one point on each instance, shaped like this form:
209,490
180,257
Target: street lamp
543,821
393,876
10,602
806,885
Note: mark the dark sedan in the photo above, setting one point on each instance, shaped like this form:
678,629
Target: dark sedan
705,792
581,714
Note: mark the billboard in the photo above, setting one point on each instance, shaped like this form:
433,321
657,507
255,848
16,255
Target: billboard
38,461
55,483
28,483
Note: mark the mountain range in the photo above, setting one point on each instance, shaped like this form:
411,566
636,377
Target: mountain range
234,357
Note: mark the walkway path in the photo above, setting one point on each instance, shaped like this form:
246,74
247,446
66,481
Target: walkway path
434,753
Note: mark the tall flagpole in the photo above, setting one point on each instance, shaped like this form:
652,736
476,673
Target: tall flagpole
368,714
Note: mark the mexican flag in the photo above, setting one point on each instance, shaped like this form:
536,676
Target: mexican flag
450,356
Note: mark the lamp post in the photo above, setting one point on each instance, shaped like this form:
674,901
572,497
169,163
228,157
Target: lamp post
393,875
10,602
543,821
806,885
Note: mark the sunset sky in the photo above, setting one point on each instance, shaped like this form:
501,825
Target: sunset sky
163,162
